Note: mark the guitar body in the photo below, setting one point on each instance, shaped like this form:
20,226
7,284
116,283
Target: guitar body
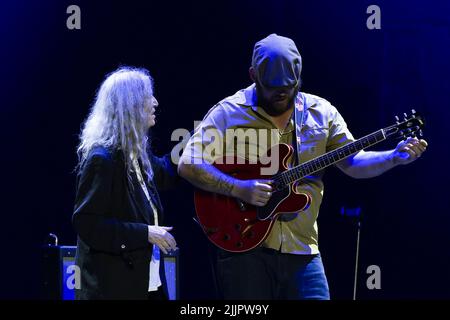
238,227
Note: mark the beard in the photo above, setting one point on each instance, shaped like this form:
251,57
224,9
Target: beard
273,107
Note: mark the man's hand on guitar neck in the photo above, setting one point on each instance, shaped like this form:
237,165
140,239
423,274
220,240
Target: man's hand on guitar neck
409,150
255,192
368,164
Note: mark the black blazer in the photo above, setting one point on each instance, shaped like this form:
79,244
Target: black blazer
111,216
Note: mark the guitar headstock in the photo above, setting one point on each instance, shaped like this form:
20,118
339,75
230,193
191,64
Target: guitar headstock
411,126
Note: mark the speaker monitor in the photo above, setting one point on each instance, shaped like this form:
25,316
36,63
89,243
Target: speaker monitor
59,273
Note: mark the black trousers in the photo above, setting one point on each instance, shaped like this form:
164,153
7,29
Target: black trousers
158,295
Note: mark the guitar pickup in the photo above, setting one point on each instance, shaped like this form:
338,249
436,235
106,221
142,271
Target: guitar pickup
210,230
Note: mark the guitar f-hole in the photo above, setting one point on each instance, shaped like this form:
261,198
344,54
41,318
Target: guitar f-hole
246,229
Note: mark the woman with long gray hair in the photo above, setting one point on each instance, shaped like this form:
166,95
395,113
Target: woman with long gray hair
118,212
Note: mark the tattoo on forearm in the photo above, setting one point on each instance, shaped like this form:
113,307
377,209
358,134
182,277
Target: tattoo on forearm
216,181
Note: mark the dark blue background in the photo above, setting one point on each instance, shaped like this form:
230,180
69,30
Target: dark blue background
199,53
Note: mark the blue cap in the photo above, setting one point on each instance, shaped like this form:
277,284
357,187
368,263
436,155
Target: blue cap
277,61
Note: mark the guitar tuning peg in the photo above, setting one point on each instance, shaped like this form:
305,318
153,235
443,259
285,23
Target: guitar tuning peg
405,115
402,134
413,113
409,132
420,133
397,119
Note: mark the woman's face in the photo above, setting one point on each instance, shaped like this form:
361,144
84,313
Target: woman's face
150,106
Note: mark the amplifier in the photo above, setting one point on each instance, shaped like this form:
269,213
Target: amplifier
60,275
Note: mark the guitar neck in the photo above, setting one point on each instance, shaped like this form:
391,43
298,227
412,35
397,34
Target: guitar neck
299,172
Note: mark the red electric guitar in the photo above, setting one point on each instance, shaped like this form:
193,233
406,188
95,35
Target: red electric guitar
237,227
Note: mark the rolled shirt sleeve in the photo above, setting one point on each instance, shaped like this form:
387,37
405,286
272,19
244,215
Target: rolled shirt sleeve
207,143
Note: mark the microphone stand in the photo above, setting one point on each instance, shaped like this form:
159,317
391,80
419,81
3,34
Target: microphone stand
355,282
353,213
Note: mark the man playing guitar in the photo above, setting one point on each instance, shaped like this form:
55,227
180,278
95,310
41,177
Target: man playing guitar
284,262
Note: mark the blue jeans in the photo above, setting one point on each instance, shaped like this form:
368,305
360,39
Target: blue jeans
267,274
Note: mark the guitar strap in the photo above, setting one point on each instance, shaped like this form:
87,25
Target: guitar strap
299,115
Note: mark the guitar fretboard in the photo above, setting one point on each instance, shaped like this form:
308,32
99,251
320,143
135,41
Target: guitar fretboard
289,176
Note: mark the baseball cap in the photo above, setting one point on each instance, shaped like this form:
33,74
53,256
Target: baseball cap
277,61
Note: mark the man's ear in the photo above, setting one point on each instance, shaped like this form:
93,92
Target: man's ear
252,73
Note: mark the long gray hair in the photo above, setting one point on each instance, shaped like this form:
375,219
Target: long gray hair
118,119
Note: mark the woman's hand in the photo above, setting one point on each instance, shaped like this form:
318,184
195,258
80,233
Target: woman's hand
162,238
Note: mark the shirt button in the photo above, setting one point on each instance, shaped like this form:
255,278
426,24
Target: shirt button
123,246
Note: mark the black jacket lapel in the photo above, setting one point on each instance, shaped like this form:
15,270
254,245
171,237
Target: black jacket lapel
140,200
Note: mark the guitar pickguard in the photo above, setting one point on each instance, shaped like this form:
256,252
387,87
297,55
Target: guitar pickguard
266,212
